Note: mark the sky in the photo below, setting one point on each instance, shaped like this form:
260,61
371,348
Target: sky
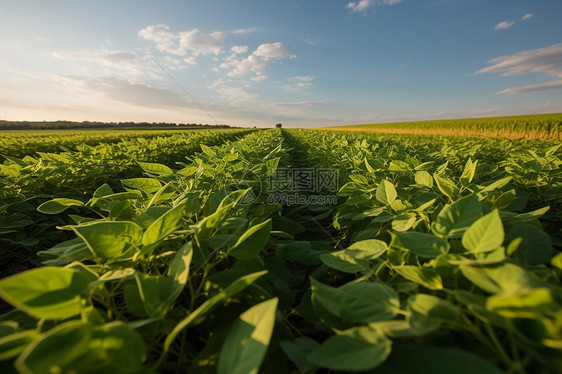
302,63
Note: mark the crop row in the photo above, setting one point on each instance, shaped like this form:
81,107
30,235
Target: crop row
438,256
23,143
25,183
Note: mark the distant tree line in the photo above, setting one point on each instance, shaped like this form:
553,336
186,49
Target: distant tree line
29,125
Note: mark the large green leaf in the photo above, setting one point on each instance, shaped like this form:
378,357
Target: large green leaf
432,307
252,242
154,168
367,249
503,278
366,302
453,220
57,206
386,193
164,225
69,250
468,172
147,185
532,303
343,261
47,292
356,349
110,239
424,178
81,348
207,225
426,277
484,235
446,186
361,302
425,245
247,340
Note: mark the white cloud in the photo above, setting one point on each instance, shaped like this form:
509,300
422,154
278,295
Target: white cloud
546,60
157,33
299,104
303,78
234,93
527,16
299,83
504,25
533,88
363,5
259,78
183,42
274,50
245,31
262,57
138,94
105,56
112,62
239,49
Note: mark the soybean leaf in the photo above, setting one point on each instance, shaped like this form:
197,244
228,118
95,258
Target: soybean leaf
468,172
109,239
247,340
326,298
453,220
366,302
497,184
207,225
446,186
110,348
426,277
147,185
484,235
251,242
103,190
70,250
504,278
57,206
356,349
424,178
530,303
47,292
433,307
342,261
425,245
154,168
386,193
164,225
403,222
369,249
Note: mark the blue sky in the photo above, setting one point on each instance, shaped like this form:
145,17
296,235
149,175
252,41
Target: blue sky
258,62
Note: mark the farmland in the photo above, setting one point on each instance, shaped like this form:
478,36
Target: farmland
543,126
283,251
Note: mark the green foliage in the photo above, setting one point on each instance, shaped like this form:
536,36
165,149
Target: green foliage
441,255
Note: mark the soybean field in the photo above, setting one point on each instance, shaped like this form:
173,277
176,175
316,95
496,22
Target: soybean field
280,251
